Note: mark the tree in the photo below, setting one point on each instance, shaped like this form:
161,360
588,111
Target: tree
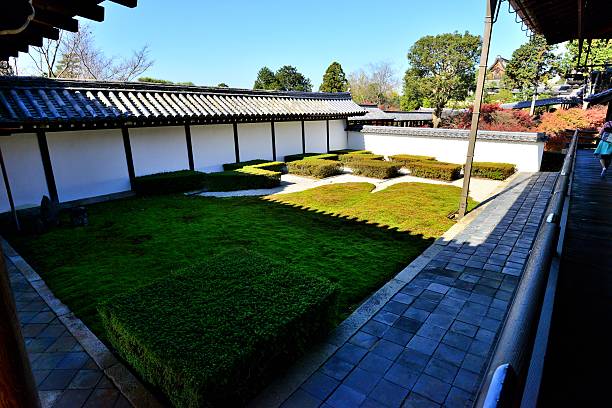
266,80
289,79
222,85
442,68
376,83
532,64
75,55
599,52
334,79
154,80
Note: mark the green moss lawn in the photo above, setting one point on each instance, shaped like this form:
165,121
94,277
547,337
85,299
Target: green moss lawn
133,241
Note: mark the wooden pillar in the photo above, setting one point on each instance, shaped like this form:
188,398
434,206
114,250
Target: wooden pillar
48,168
236,146
273,140
17,387
127,146
327,133
303,138
9,193
609,113
189,147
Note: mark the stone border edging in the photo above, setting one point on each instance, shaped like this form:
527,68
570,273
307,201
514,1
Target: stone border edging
281,389
127,384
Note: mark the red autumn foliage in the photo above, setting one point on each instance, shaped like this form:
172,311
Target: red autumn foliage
555,124
494,117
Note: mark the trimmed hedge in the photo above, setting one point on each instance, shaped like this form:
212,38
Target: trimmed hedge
216,333
315,168
245,178
239,165
272,166
300,156
170,182
375,168
326,156
434,170
493,171
350,151
351,157
410,158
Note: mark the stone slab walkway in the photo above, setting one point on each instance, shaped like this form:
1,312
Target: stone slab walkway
480,189
427,335
65,375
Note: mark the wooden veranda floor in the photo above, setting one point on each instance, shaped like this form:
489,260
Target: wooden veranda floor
577,365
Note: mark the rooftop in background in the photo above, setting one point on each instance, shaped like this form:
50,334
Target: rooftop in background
28,102
602,97
568,101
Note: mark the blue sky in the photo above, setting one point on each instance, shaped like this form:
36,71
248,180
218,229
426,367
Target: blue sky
208,42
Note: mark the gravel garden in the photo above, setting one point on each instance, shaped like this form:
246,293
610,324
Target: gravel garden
208,298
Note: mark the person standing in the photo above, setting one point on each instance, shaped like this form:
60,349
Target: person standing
604,148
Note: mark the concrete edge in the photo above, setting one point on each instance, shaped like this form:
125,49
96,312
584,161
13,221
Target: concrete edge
282,388
127,384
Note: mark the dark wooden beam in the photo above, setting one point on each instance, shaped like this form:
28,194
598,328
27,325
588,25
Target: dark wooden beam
189,147
50,18
126,3
303,138
273,140
17,387
127,146
9,193
48,168
236,145
327,133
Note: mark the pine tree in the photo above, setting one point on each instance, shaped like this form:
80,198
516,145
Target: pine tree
266,80
334,79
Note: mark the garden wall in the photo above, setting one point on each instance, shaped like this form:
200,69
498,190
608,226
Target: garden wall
450,145
90,163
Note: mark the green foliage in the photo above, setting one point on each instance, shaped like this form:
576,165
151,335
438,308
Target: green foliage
351,151
245,178
257,163
266,80
287,78
334,79
404,159
434,170
599,53
531,64
493,171
375,168
170,182
314,168
325,156
222,85
442,68
351,157
300,156
503,96
215,333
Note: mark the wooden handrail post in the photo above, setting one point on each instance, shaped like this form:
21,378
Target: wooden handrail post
17,387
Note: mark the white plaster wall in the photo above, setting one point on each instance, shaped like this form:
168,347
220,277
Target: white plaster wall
88,163
526,156
24,169
288,139
255,141
213,146
158,149
337,135
316,136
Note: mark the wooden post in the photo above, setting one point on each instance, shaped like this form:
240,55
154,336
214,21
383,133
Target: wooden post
47,166
609,113
189,147
327,133
303,138
491,5
236,146
273,130
16,381
9,193
127,147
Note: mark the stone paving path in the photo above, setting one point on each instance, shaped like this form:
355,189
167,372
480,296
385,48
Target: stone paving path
429,345
65,375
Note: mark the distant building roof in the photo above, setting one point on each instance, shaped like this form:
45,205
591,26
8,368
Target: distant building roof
602,97
542,102
373,113
27,102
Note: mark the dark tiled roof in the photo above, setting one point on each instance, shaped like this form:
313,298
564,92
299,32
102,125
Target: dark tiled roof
542,102
602,97
27,101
